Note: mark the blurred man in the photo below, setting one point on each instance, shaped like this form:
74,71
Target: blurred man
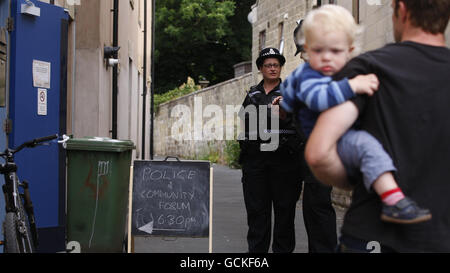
409,116
319,215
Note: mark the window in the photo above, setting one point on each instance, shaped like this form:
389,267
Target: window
281,37
262,40
140,12
319,3
355,9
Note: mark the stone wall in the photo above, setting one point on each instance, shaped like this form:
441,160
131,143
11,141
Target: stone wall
183,126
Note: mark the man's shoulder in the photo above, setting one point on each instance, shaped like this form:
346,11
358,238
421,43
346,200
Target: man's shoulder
394,51
388,56
371,55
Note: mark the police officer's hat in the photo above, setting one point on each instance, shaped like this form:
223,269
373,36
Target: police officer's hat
298,37
269,52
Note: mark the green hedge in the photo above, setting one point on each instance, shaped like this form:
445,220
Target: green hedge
186,88
232,151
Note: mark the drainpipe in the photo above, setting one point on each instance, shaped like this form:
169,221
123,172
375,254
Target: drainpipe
144,84
74,67
115,68
152,108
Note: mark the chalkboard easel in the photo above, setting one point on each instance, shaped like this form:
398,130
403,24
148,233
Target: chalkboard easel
170,199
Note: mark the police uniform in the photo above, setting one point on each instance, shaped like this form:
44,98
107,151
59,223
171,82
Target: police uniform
270,178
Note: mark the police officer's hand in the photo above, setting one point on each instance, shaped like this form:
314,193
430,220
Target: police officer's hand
277,110
277,100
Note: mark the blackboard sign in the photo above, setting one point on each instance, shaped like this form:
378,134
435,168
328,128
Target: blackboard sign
171,198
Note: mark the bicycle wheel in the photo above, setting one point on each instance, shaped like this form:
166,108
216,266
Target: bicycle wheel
10,233
17,234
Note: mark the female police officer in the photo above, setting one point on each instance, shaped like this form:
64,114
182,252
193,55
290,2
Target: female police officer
271,177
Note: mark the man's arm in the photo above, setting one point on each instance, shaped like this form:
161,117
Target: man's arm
321,149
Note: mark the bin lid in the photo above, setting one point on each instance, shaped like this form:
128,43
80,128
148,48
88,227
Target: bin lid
102,144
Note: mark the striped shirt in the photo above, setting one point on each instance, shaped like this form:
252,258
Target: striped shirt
316,91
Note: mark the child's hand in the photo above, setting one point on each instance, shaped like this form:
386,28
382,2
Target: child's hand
364,84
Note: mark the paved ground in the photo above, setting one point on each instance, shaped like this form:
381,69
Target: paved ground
229,222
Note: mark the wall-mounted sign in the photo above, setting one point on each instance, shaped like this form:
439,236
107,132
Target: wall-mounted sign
42,102
41,74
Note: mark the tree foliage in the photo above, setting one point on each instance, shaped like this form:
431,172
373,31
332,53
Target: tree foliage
200,38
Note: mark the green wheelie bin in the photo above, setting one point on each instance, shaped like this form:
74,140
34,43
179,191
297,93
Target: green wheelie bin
98,176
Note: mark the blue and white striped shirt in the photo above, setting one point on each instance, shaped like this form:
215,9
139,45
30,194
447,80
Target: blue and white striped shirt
316,91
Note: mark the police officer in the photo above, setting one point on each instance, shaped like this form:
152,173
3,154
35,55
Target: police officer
271,177
318,213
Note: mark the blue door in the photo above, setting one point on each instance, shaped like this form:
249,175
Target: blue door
4,47
37,107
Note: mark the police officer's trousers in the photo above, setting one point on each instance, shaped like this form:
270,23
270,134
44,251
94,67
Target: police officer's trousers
319,216
271,179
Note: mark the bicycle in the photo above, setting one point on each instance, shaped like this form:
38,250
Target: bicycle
19,227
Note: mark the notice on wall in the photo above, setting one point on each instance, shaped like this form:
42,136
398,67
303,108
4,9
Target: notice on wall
42,102
41,74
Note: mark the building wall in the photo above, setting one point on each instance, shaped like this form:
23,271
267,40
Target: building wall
377,22
90,79
92,95
270,14
376,19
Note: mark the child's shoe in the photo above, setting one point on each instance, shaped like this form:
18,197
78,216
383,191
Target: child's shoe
405,211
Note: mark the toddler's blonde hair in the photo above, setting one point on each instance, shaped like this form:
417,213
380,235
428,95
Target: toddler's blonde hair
333,18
